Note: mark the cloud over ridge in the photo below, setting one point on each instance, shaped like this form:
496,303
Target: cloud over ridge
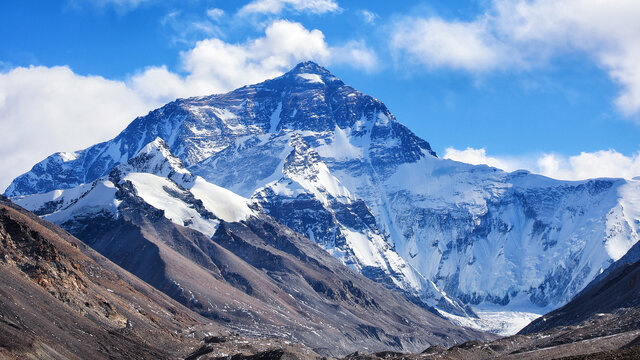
586,165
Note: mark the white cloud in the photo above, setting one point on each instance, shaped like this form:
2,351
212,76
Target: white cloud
604,163
524,33
437,43
355,53
187,29
278,6
217,66
586,165
157,84
118,4
479,156
215,13
45,110
368,16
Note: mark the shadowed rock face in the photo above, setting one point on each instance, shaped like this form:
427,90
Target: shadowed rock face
61,300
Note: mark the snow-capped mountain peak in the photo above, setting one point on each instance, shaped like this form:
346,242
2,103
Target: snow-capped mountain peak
309,67
197,129
335,165
157,154
156,158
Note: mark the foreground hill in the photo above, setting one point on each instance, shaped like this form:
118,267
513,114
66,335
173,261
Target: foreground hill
60,299
612,302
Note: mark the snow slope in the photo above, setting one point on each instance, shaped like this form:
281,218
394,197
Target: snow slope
158,178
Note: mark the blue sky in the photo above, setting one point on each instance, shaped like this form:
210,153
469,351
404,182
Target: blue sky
551,86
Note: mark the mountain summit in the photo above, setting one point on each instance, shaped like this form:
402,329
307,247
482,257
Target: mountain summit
309,67
306,98
336,166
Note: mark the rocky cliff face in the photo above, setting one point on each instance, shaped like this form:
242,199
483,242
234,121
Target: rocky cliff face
336,166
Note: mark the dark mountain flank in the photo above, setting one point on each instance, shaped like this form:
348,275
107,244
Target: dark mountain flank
60,299
261,278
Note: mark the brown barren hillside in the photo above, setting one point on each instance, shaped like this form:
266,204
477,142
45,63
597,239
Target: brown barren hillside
59,299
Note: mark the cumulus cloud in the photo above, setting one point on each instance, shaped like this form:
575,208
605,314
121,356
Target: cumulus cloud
44,110
437,43
604,163
278,6
216,66
586,165
48,109
356,53
525,33
479,156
